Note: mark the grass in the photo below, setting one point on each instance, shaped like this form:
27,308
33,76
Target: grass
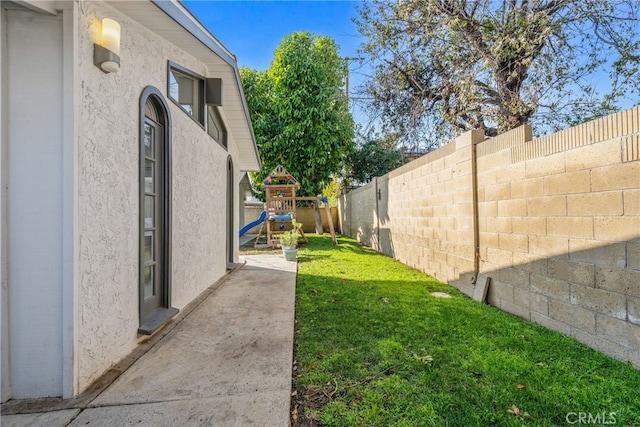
375,348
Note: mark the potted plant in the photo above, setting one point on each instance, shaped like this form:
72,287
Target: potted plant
289,241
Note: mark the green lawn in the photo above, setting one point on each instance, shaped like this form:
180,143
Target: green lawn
374,348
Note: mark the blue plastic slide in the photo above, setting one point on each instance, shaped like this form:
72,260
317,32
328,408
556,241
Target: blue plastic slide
249,226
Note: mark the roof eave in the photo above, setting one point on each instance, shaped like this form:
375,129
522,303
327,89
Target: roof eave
214,56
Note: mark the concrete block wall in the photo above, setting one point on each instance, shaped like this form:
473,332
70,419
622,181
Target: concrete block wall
557,227
357,214
430,212
421,213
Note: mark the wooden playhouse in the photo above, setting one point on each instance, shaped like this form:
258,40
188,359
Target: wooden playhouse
280,204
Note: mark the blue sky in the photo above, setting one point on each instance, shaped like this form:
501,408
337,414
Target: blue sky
253,29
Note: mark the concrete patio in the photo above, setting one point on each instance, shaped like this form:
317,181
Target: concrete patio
225,363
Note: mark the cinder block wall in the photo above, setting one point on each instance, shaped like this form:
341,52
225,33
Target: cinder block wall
357,213
421,213
429,214
557,230
560,229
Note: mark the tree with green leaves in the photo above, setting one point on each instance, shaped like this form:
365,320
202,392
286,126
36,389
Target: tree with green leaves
374,156
299,111
457,65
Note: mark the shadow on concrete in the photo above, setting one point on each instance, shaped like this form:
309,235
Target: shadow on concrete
226,362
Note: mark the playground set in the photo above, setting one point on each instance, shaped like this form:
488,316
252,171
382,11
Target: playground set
280,209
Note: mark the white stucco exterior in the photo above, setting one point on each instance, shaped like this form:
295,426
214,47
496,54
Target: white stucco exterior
71,166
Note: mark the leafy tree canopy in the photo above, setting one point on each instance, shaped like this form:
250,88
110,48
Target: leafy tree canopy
457,65
299,111
373,157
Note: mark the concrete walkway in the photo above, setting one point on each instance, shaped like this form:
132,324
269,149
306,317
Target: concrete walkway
227,363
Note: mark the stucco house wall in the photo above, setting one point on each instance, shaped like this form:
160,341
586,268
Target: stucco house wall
108,168
91,309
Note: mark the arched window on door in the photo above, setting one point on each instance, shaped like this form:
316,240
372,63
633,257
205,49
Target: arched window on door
230,212
155,212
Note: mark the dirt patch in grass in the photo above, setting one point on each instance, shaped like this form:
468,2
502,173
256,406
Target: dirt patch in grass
304,404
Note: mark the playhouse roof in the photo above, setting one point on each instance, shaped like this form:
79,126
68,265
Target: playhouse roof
280,176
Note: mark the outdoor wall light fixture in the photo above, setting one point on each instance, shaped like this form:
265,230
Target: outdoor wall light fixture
106,55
